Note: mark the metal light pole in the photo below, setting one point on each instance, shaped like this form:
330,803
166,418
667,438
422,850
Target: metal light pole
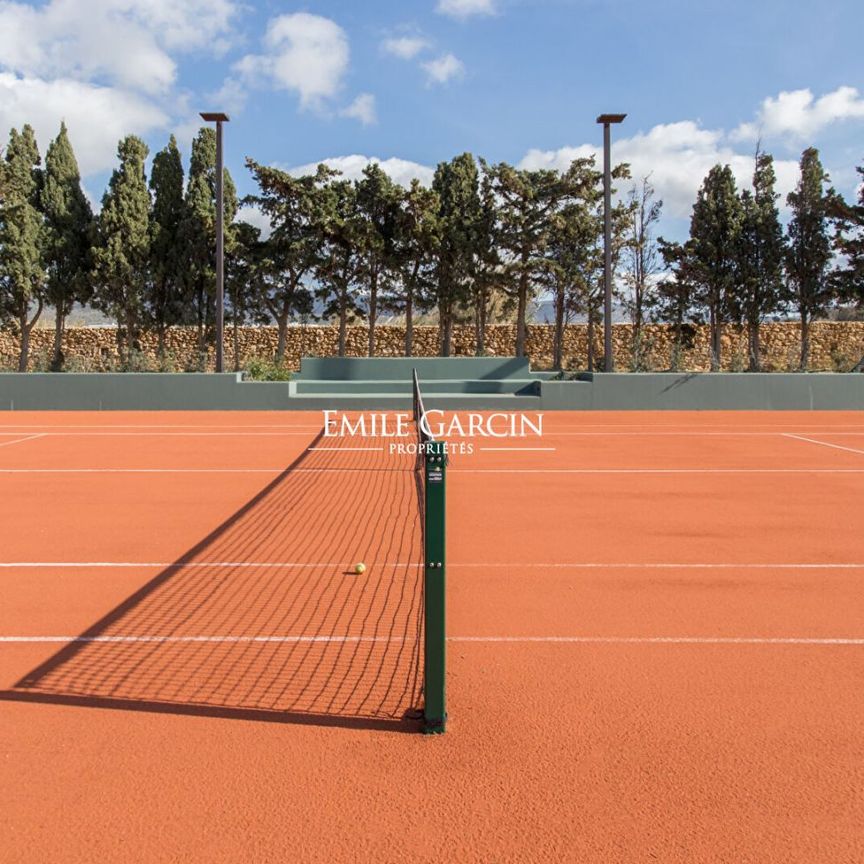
219,119
607,120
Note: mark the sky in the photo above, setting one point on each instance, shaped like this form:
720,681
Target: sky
414,82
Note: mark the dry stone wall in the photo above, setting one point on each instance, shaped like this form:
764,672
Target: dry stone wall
835,346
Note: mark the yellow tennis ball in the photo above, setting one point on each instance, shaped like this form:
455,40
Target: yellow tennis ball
360,568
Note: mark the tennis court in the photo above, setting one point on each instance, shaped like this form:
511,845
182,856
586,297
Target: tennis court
655,647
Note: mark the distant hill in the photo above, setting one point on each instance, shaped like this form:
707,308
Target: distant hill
81,316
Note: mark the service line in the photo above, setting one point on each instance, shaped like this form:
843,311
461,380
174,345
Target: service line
822,443
499,565
376,469
561,640
20,440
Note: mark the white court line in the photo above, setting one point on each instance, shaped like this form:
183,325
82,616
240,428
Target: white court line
547,433
19,440
518,449
823,443
158,426
359,470
659,427
510,565
171,434
346,449
730,434
656,470
585,640
149,470
193,639
659,565
191,564
778,426
667,640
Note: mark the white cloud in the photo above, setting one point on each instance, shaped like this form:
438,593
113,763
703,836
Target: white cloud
254,215
97,117
304,53
443,68
798,114
124,42
465,8
230,97
401,171
100,66
677,156
362,109
186,25
405,47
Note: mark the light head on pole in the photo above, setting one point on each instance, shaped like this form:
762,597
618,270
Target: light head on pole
606,119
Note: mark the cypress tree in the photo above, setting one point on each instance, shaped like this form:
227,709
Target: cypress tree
457,185
69,236
22,238
714,230
122,256
674,299
198,233
849,276
487,264
164,302
809,250
761,251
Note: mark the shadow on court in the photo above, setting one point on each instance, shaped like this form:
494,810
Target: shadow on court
261,620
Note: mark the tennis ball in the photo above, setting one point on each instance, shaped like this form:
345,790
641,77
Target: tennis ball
360,568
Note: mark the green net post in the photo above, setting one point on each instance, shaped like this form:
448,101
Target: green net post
435,713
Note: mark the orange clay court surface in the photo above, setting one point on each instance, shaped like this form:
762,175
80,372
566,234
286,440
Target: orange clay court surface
656,643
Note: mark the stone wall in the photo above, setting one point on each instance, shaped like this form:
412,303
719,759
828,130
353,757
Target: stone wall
835,346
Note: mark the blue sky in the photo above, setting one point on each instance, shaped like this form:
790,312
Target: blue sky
412,83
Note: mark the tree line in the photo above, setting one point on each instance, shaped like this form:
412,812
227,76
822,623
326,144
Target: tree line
479,245
739,265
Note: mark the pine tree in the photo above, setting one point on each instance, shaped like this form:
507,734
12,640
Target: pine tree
573,257
457,186
378,206
244,268
295,208
22,238
760,257
341,265
809,249
69,236
122,256
564,270
164,301
198,234
527,204
714,229
417,239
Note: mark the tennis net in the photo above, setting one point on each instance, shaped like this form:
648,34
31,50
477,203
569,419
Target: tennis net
432,470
